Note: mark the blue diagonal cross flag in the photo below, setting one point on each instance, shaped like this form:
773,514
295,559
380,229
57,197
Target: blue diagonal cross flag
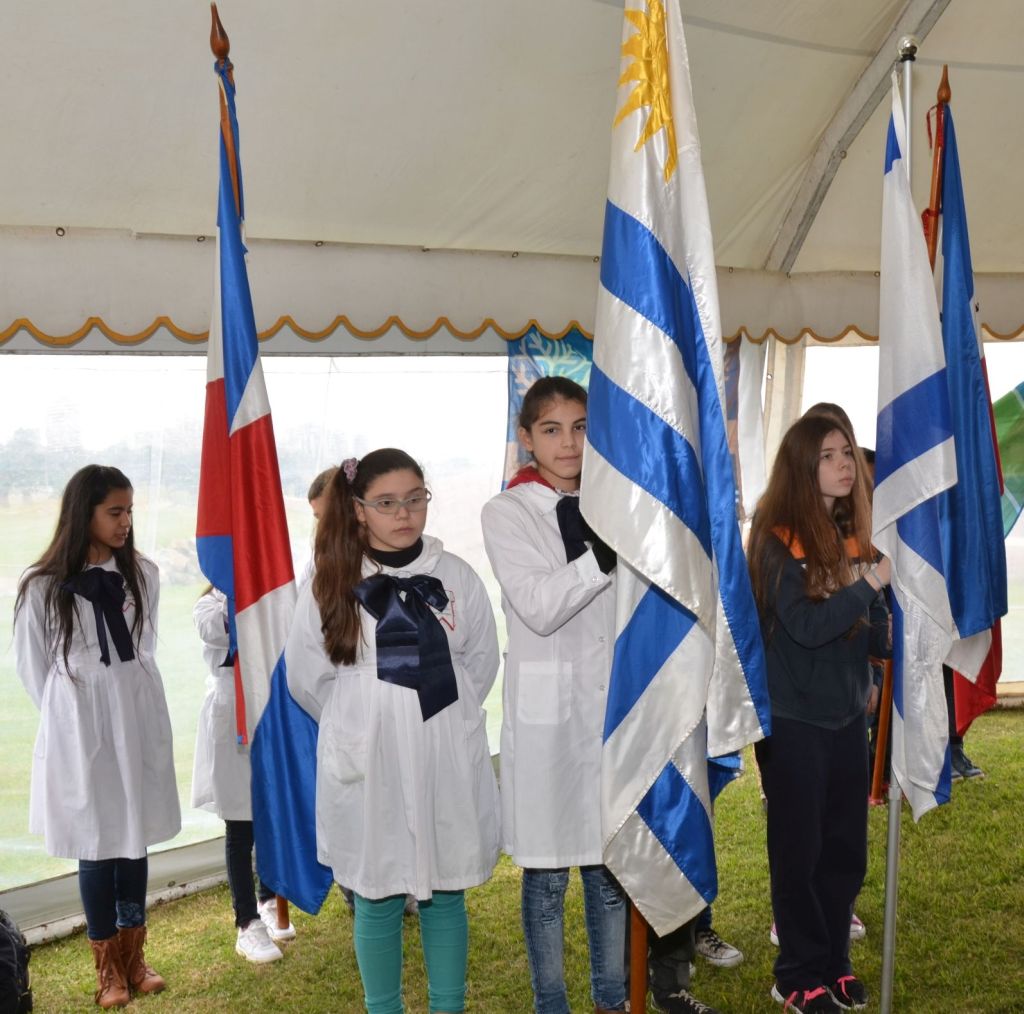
688,676
915,513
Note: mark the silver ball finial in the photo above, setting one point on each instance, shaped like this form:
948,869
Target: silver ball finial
906,48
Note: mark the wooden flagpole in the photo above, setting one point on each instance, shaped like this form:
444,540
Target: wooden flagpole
930,215
220,45
882,739
638,931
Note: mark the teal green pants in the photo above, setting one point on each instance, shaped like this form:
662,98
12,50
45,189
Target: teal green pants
444,930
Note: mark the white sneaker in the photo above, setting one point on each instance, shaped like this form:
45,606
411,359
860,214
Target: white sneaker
268,913
713,949
255,945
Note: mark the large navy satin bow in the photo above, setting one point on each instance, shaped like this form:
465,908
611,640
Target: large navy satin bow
412,647
105,590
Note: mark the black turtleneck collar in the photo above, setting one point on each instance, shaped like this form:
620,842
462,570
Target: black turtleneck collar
396,558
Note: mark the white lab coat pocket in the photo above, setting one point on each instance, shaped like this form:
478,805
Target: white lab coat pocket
345,761
223,727
545,693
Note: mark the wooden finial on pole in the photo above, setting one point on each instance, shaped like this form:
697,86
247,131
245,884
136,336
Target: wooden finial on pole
221,46
930,215
219,41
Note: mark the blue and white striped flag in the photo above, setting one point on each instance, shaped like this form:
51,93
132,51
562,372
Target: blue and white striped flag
915,462
688,672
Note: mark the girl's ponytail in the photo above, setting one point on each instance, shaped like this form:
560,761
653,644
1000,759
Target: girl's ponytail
338,568
339,547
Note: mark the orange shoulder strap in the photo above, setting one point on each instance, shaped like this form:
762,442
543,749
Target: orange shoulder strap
792,543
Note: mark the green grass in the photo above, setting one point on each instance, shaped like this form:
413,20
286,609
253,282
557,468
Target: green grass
959,944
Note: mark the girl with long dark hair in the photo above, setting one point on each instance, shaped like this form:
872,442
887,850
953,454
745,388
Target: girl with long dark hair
817,589
103,784
393,651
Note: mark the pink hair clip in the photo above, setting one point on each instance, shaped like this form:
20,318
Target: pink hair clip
349,466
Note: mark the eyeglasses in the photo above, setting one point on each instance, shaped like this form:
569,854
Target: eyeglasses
415,504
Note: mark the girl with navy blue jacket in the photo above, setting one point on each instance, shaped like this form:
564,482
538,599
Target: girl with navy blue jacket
822,615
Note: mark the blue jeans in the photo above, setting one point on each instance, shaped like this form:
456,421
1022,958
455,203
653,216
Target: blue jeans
113,894
604,907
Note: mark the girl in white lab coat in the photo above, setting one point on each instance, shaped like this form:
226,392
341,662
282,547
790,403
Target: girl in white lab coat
103,784
393,651
557,592
222,784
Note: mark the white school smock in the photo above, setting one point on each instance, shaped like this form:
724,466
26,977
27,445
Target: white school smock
403,806
561,631
103,784
221,775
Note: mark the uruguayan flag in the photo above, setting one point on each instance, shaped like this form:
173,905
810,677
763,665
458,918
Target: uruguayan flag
688,672
916,460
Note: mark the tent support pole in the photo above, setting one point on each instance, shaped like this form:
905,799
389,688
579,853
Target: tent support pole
892,876
907,49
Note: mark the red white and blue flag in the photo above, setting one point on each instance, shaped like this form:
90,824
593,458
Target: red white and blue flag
971,512
244,551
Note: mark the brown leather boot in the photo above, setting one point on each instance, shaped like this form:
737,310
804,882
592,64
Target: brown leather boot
112,985
141,977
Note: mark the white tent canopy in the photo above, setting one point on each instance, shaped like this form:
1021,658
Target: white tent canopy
421,168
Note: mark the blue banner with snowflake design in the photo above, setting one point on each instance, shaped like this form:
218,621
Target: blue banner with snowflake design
534,356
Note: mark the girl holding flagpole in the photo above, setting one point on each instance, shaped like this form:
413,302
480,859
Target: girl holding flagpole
103,783
558,595
822,615
393,651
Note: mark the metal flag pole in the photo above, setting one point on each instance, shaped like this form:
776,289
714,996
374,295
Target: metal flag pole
907,50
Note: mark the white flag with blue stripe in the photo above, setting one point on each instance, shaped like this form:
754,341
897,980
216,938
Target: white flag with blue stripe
915,461
688,672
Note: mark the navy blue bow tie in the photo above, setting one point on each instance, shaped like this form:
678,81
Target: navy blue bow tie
412,647
105,590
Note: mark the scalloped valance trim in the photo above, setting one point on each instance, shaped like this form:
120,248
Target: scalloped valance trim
393,322
340,322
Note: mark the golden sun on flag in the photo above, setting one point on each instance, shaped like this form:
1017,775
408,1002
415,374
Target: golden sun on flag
648,50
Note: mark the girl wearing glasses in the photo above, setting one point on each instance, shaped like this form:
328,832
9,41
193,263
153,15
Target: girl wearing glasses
557,592
393,652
